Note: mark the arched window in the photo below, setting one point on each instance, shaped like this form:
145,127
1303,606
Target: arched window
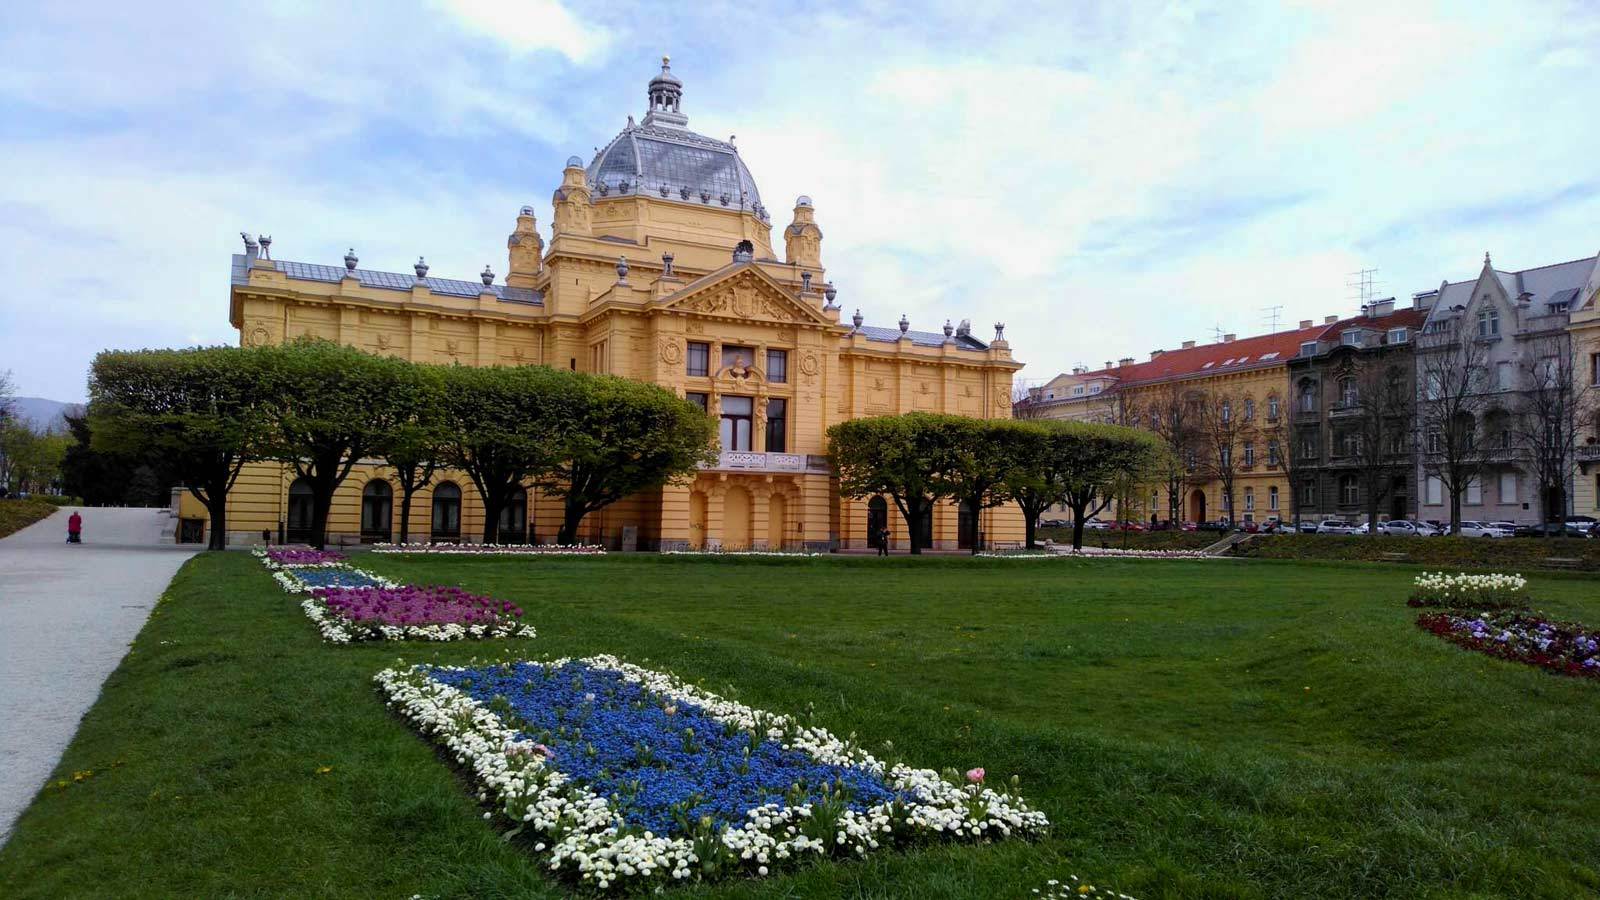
514,519
446,511
877,521
298,526
1308,396
377,510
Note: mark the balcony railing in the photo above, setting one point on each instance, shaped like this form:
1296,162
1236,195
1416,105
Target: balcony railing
749,461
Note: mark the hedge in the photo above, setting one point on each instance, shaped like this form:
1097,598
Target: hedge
1450,552
1138,540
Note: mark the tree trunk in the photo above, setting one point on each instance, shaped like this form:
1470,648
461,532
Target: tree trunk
216,503
914,506
405,513
1077,524
1455,512
1030,525
492,505
321,504
571,517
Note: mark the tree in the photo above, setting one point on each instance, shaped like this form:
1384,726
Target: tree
1450,399
502,426
1174,419
103,478
202,411
331,404
1035,478
1223,429
8,396
1096,460
414,441
619,437
30,460
1553,411
979,461
904,456
1377,403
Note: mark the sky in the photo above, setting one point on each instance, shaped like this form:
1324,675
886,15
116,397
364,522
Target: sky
1106,179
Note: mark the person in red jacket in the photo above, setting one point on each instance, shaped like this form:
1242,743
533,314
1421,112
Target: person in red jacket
75,528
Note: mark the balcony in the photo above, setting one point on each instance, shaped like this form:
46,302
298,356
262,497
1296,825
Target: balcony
748,461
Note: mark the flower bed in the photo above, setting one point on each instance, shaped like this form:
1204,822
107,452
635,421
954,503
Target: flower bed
633,776
1060,551
793,553
494,549
305,579
397,613
1563,647
301,556
1463,591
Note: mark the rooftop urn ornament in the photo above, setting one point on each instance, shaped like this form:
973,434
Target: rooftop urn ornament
622,269
604,189
856,319
622,186
805,282
421,268
663,189
829,292
725,198
266,246
487,275
948,331
744,252
574,162
249,242
1000,333
666,263
905,323
705,197
683,192
350,260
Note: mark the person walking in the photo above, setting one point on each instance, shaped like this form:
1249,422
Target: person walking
883,541
75,528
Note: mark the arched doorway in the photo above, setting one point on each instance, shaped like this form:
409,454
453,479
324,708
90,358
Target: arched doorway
697,520
513,526
1197,505
877,521
967,526
446,512
925,529
298,526
377,511
777,512
736,519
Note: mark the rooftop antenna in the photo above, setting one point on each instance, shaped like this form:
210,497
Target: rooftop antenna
1363,286
1216,331
1270,314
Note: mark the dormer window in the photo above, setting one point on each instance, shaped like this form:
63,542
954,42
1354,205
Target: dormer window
1351,338
1399,335
1077,391
1309,348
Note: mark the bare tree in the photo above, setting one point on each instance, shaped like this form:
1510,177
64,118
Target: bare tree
1451,398
8,394
1375,395
1173,419
1027,402
1223,429
1552,413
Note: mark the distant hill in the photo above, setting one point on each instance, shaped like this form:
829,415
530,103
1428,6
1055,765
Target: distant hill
42,413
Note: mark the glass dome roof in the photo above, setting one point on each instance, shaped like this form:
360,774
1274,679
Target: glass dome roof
663,158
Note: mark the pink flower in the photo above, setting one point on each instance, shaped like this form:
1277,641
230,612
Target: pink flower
975,775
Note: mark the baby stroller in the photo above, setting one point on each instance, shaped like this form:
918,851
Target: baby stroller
74,537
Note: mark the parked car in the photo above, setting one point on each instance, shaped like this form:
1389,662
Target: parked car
1335,526
1191,526
1133,527
1308,527
1404,528
1053,523
1548,529
1480,529
1096,525
1363,528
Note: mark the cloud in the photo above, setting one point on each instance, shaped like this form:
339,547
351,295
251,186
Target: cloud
527,26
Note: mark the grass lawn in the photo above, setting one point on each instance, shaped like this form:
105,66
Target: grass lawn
1212,729
16,515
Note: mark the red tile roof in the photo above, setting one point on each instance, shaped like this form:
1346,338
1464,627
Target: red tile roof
1248,353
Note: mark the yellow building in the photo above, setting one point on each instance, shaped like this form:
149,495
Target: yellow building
660,267
1243,380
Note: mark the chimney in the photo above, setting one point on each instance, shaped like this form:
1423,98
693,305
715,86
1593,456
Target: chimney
1228,338
1155,353
1079,370
1125,361
1108,363
1305,323
1381,308
1329,320
1188,345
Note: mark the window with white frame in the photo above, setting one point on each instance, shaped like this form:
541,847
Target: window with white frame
1348,392
1308,396
1249,499
1272,453
1351,338
1399,335
1435,491
1474,492
1272,401
1506,375
1227,411
1225,457
1349,490
1488,322
1077,391
1272,498
1249,454
1508,487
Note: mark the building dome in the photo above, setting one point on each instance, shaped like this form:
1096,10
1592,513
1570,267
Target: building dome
662,158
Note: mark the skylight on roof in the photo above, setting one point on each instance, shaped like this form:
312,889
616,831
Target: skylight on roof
1228,361
1208,365
1242,360
1272,355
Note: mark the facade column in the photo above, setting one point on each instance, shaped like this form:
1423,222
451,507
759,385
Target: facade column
714,499
760,507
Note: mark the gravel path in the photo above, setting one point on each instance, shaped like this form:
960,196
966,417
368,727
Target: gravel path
67,615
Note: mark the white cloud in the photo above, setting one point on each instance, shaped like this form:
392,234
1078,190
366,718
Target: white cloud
526,26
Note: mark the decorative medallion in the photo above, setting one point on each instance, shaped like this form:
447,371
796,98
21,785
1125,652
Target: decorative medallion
259,336
808,364
671,352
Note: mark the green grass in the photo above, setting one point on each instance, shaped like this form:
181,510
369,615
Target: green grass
16,515
1212,729
1137,540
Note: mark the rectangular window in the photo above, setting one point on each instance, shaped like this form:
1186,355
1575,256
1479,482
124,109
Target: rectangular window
1272,498
1488,323
699,359
1077,390
735,355
1351,338
1249,499
1474,492
1272,407
1435,491
700,400
1594,369
1272,453
1308,494
1226,457
1507,378
1399,336
777,425
778,366
1508,487
735,426
1249,454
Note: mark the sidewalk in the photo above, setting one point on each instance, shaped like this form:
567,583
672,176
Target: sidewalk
67,615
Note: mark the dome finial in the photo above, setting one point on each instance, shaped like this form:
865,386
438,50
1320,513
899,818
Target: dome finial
665,93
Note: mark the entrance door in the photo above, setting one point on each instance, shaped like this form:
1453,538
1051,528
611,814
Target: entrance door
513,527
377,511
967,526
300,513
1197,505
877,521
446,524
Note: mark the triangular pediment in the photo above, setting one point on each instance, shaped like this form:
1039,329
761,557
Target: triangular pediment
742,291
